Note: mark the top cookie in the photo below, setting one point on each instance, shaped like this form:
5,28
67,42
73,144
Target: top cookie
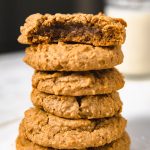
97,30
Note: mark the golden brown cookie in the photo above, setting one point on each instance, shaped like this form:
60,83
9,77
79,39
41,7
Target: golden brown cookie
97,30
50,131
72,57
120,144
78,83
89,107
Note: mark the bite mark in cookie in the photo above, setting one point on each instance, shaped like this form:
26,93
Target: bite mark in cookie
97,30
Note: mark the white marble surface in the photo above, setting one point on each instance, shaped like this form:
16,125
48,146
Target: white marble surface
15,87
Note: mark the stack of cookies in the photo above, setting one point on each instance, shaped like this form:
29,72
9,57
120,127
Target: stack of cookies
75,84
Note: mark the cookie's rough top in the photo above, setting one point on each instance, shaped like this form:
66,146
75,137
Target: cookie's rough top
50,131
120,144
78,83
72,57
90,107
98,30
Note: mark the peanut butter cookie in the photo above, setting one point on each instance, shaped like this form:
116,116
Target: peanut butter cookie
121,144
78,83
72,57
89,107
97,30
50,131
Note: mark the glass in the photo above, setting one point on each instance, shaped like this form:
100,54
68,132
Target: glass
137,46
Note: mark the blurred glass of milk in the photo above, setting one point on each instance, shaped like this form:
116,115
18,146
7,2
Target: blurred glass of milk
137,46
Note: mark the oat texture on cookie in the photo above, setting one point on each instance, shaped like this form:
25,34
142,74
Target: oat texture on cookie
76,105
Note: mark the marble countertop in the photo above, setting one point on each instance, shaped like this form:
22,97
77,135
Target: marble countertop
15,88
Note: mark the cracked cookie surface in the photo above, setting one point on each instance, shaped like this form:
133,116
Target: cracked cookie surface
123,143
97,30
78,83
72,57
90,107
50,131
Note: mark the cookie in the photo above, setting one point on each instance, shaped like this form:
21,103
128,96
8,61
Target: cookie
78,83
97,30
50,131
72,57
120,144
22,143
89,107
